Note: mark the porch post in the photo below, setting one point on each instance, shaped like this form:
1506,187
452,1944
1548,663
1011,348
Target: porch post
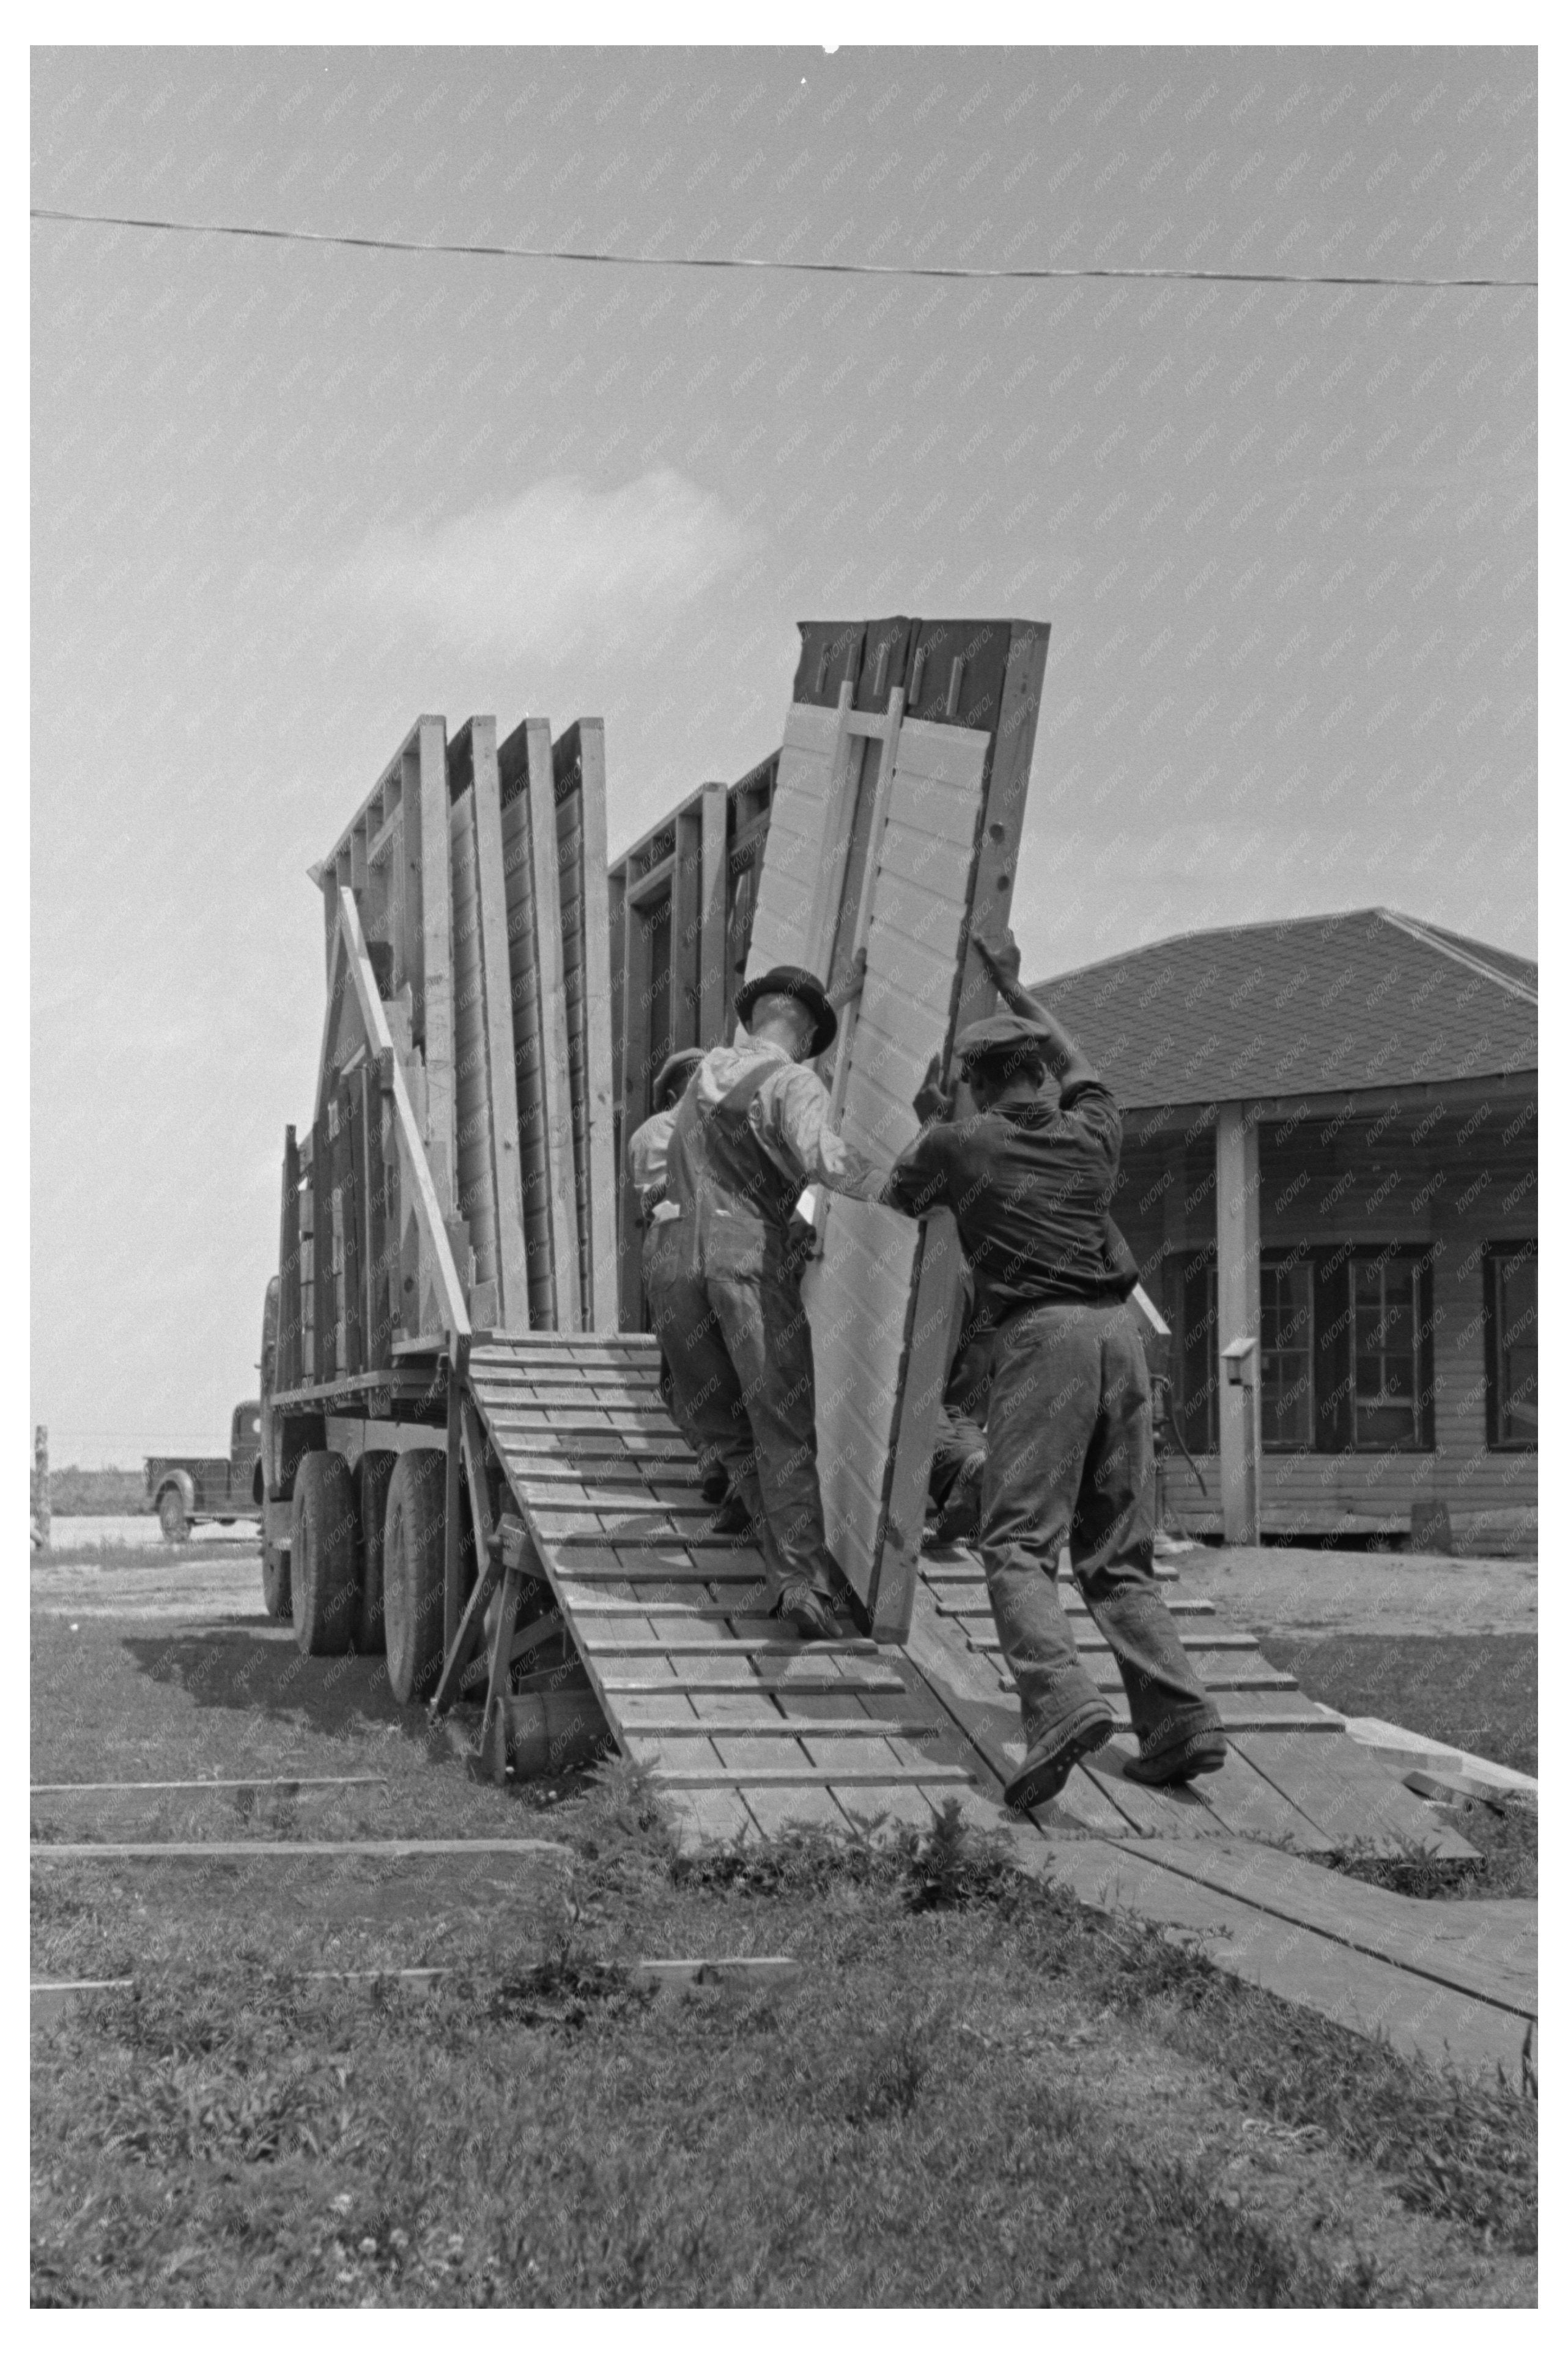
1240,1314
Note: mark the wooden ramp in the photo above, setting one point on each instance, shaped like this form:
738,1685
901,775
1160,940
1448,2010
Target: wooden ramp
1293,1776
744,1729
742,1725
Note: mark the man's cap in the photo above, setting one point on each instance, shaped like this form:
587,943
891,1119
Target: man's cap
676,1068
998,1034
793,981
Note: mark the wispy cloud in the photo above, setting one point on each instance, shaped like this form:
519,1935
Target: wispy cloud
540,572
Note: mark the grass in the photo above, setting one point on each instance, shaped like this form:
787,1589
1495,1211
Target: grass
1472,1692
979,2092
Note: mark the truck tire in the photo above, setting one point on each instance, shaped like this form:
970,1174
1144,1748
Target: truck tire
374,1478
277,1591
324,1563
414,1572
172,1518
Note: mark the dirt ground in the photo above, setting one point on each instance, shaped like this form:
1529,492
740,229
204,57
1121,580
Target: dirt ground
1267,1589
1286,1590
196,1583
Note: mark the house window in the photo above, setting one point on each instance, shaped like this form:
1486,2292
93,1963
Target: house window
1286,1343
1194,1310
1511,1418
1387,1348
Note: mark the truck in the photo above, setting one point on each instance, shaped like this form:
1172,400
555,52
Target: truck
186,1489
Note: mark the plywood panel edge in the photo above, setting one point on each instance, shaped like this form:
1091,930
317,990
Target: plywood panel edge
496,976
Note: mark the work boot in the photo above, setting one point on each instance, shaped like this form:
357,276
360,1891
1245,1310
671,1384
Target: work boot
732,1518
1197,1753
960,1514
716,1485
1047,1764
809,1613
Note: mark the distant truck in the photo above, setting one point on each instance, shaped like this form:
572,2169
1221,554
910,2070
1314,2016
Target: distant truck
184,1489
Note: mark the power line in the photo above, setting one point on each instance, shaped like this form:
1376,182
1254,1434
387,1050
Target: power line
752,261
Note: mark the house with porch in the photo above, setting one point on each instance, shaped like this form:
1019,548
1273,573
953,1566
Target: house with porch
1329,1151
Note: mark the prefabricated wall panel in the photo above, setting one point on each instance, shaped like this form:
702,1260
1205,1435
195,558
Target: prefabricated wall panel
579,782
489,1181
881,1298
475,1174
861,1292
541,1055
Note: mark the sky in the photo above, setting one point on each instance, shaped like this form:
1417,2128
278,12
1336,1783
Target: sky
286,498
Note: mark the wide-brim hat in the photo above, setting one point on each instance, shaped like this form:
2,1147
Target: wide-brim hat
793,981
677,1066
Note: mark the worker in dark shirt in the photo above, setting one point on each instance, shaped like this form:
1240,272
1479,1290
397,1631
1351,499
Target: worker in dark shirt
1069,1439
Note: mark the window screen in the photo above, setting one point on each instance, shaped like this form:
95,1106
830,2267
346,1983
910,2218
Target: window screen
1512,1367
1286,1340
1386,1351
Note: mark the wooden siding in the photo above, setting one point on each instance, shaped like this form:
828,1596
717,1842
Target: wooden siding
1448,1184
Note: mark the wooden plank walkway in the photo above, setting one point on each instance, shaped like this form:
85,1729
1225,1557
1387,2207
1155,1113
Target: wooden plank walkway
742,1725
745,1729
1293,1775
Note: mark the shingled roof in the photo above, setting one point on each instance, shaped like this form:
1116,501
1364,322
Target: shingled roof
1316,1006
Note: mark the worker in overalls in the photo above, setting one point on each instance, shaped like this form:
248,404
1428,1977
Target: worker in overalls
752,1131
646,1154
1069,1441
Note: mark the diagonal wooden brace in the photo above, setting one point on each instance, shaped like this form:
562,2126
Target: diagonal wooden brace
493,1543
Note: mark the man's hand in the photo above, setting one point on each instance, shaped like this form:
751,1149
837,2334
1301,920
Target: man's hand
851,985
1001,961
933,1101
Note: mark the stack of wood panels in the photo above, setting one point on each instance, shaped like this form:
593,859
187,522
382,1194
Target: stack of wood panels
458,1169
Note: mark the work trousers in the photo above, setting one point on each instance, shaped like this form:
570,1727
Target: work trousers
1070,1460
960,1417
707,1461
740,1353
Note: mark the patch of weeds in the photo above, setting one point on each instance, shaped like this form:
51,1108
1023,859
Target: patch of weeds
1508,1839
1507,1864
1414,1874
563,1990
953,1864
946,1867
800,1861
621,1831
